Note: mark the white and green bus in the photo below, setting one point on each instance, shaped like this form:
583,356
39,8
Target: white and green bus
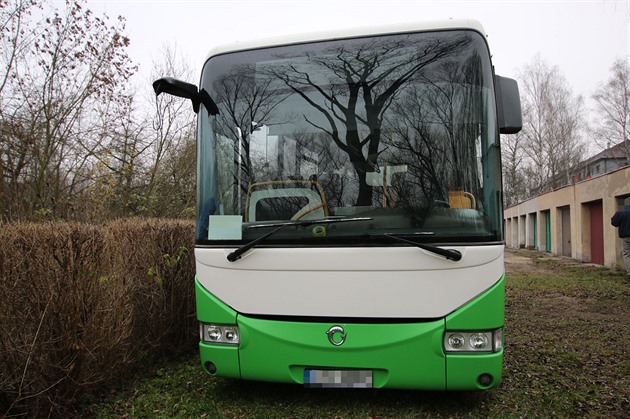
349,229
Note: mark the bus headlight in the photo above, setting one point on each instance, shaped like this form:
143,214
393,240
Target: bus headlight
456,341
218,333
475,341
479,341
231,334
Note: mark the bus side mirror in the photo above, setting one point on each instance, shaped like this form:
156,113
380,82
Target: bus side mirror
508,105
187,91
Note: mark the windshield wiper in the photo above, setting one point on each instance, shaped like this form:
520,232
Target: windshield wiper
450,254
236,255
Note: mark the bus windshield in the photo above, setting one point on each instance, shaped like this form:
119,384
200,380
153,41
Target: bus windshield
397,132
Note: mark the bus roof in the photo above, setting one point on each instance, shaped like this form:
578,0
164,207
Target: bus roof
349,33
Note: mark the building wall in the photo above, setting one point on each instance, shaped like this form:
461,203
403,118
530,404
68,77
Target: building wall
569,213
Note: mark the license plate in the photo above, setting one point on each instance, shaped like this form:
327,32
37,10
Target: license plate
338,378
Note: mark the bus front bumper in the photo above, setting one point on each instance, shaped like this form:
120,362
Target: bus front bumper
398,355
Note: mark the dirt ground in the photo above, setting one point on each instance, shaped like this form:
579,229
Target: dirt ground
567,327
519,261
582,299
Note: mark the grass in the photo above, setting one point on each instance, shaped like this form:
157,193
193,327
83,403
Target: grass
567,328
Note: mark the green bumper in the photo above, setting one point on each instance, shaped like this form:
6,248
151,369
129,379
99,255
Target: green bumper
400,355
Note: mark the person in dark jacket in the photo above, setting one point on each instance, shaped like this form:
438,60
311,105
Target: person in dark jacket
621,220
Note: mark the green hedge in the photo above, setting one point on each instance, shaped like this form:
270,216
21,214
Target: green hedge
82,306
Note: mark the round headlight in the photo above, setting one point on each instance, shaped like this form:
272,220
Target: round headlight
478,341
213,333
456,341
231,335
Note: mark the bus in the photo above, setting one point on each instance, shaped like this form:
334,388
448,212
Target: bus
349,208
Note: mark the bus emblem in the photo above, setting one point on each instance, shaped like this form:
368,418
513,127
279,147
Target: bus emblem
336,335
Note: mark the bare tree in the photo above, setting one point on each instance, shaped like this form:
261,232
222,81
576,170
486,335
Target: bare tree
514,180
612,101
14,17
434,130
170,152
118,172
567,147
50,105
146,159
248,103
552,124
363,84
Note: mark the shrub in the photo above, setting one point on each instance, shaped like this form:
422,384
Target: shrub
81,306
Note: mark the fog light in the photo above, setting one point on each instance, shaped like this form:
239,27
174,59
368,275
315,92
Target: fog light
485,380
211,368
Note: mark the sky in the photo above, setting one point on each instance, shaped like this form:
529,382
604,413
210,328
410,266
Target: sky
582,38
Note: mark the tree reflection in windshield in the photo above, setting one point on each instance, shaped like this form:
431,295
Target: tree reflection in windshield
395,121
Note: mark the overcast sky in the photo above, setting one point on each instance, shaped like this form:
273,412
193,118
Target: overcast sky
582,38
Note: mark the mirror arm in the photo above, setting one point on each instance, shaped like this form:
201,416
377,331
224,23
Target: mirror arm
207,101
185,90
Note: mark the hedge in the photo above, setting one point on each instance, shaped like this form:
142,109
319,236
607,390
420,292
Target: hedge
82,306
